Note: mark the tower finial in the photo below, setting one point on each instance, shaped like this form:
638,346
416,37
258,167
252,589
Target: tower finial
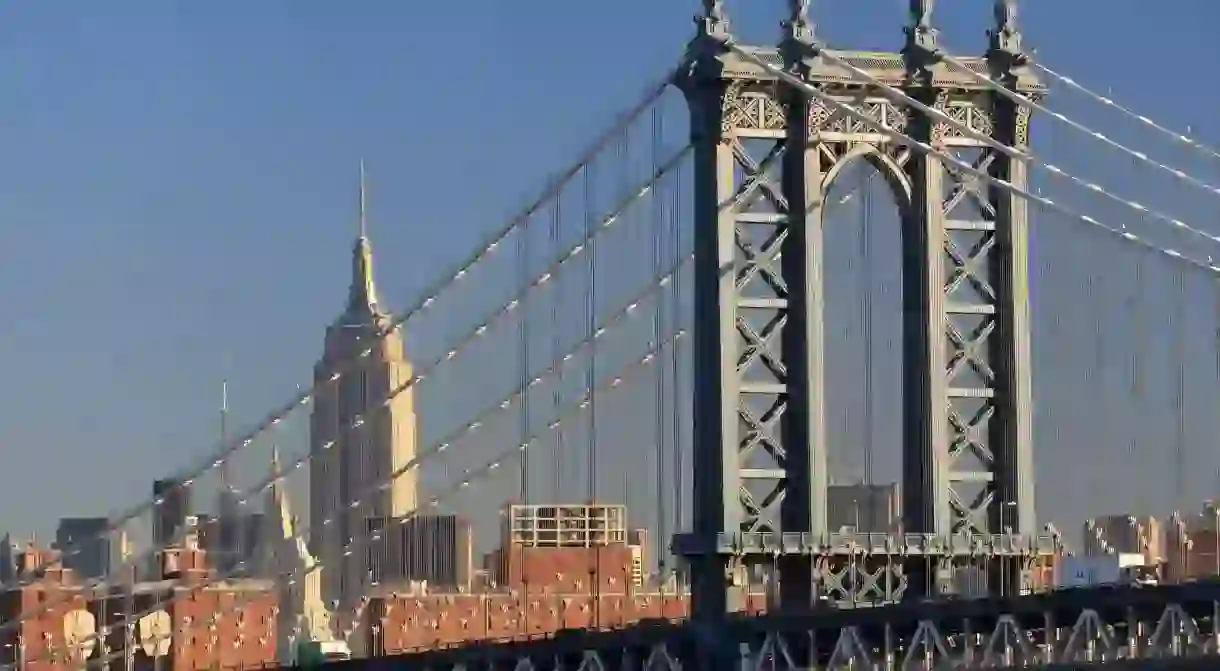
364,229
799,26
225,482
1006,36
921,13
921,48
362,295
714,23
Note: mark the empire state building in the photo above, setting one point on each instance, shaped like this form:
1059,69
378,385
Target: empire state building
362,430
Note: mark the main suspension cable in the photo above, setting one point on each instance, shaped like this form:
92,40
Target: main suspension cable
1035,105
1193,143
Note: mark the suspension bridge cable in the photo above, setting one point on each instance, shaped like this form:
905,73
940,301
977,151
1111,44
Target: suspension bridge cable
658,326
1095,375
897,95
866,256
629,310
468,478
224,452
1033,104
1193,143
523,372
590,299
556,299
1178,353
1138,374
511,307
1119,230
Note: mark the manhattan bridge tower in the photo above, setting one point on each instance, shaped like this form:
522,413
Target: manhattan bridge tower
760,464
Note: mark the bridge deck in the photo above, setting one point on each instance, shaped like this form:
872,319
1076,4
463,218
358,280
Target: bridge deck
1114,605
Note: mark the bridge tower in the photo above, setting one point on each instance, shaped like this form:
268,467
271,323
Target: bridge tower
967,459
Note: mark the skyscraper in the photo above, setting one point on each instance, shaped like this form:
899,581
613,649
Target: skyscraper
86,544
169,516
359,435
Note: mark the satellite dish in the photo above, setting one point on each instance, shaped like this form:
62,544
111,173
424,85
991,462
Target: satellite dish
79,629
155,634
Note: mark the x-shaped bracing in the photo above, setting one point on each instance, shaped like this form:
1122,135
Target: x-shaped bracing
968,186
971,516
966,434
758,175
758,346
967,350
760,432
966,266
760,261
761,516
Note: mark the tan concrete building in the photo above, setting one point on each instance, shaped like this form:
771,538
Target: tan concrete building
363,429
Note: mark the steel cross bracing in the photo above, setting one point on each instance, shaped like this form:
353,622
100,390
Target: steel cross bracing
1087,626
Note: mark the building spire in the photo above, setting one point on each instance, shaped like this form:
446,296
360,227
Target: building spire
364,224
224,433
362,295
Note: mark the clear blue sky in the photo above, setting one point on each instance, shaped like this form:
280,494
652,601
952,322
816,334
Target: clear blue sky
177,180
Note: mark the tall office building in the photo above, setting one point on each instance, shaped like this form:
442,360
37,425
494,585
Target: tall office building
89,546
359,436
169,516
8,558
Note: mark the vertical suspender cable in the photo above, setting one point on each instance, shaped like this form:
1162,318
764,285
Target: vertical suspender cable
866,261
1097,391
590,217
556,351
523,376
1090,337
1179,392
657,201
1139,352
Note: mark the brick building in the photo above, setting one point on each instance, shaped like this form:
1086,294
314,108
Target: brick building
403,623
226,625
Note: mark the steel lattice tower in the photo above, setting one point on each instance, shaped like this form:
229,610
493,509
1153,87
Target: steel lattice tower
967,456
